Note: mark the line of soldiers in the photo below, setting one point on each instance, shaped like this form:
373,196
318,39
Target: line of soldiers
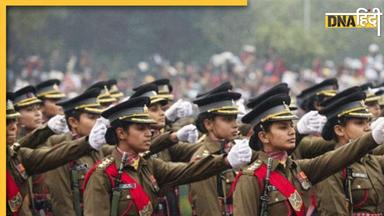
100,154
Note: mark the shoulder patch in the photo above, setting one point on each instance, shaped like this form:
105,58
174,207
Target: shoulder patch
106,162
250,170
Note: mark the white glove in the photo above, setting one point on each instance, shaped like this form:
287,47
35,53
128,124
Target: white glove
374,123
97,136
378,132
311,123
240,154
179,109
188,133
58,124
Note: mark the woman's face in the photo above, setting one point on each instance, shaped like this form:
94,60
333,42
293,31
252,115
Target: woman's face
353,129
157,113
84,124
374,108
280,137
50,109
31,117
222,127
11,131
138,137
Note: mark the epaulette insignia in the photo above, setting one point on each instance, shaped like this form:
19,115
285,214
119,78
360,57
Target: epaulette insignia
205,153
106,162
201,155
250,170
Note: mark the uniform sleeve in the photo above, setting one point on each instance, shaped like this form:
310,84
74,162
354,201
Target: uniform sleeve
204,197
171,174
97,195
160,143
36,138
46,158
183,152
312,146
246,196
327,164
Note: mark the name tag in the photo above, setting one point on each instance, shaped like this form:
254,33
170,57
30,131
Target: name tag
127,186
359,175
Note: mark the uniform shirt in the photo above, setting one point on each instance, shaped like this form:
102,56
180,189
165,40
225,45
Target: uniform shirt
204,194
367,189
151,172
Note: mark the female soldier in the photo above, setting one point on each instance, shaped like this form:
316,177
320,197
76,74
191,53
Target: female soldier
165,138
217,121
28,105
359,188
280,186
132,182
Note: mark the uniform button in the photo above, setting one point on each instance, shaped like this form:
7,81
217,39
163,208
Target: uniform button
358,186
128,197
277,199
227,181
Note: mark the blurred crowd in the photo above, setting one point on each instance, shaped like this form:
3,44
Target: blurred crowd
249,71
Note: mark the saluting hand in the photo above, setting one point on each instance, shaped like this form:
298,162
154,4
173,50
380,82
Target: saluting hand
58,124
240,154
97,136
188,133
378,131
311,123
180,109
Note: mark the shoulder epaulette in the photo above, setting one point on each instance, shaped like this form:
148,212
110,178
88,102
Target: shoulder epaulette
250,170
106,162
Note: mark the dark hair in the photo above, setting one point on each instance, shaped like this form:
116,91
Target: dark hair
328,132
199,122
111,136
72,113
254,142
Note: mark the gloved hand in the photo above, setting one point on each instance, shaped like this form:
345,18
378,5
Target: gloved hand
188,133
240,154
97,136
378,132
311,122
58,124
179,109
374,123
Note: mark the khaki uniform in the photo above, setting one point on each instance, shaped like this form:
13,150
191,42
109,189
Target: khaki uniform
367,189
60,180
149,174
378,150
34,161
38,183
173,152
166,150
204,194
36,138
312,146
247,192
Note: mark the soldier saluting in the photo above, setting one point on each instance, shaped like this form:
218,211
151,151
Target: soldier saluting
274,135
